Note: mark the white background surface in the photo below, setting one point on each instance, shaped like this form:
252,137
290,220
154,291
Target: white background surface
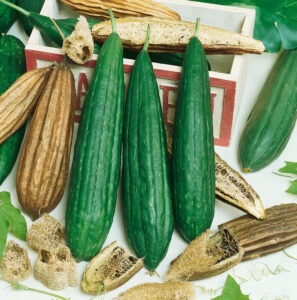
253,275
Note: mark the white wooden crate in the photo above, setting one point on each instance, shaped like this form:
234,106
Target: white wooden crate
226,75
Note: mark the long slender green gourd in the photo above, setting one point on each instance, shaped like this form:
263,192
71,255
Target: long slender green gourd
96,162
273,117
146,187
193,156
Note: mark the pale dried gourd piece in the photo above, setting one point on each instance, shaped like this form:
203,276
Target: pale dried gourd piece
205,256
79,46
56,268
110,268
45,233
15,264
160,291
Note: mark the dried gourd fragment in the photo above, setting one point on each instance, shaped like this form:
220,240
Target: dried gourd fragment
56,268
15,264
205,256
45,233
160,291
79,46
110,268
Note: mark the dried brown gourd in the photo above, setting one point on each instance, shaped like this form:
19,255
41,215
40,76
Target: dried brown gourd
19,100
159,291
15,264
122,8
110,268
234,189
240,239
79,46
56,268
231,187
45,233
45,154
173,36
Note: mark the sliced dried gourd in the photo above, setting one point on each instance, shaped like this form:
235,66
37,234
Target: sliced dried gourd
56,268
15,264
45,233
110,268
239,239
206,256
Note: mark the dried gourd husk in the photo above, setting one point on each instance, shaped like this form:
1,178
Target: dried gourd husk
260,237
239,239
15,264
121,8
45,233
234,189
160,291
173,36
205,256
56,268
79,45
110,268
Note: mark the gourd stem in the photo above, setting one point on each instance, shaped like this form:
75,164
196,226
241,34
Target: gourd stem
19,9
113,23
147,38
197,27
58,28
21,287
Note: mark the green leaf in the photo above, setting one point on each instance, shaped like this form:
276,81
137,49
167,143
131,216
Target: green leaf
293,187
11,220
231,291
275,24
290,167
3,235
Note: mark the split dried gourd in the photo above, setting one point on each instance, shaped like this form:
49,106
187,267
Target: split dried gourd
237,240
110,268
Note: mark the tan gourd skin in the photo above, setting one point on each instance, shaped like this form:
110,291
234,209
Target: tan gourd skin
44,159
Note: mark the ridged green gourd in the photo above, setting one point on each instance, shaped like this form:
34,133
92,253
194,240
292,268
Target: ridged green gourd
96,162
12,66
146,187
273,117
193,156
7,17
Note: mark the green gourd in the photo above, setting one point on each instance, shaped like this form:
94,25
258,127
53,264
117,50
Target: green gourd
193,156
146,185
273,117
96,162
12,66
7,17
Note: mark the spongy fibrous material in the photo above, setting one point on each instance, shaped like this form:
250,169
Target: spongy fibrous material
15,264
